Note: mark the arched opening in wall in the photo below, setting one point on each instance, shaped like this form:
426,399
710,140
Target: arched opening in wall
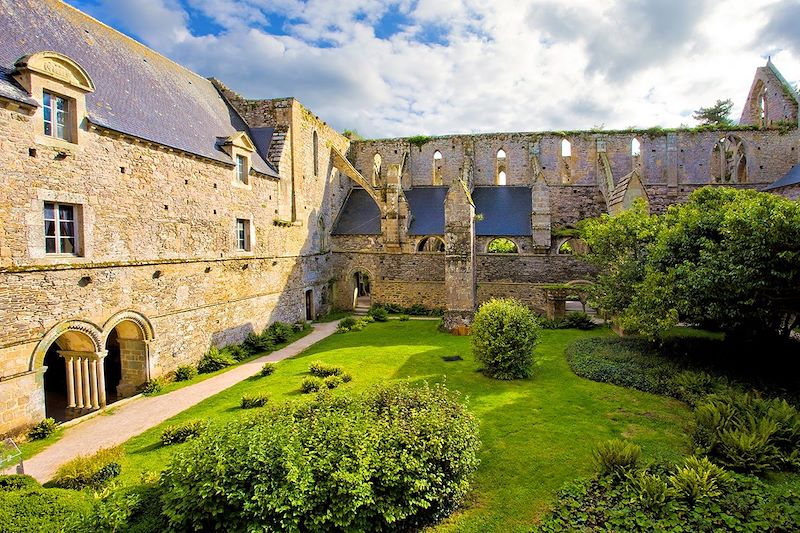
566,148
502,245
501,168
437,168
376,169
310,304
636,147
361,291
761,104
729,161
55,385
572,246
315,150
431,244
126,364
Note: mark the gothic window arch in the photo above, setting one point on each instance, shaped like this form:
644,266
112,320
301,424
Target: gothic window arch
315,149
501,171
376,169
761,105
636,147
566,148
431,244
437,167
729,160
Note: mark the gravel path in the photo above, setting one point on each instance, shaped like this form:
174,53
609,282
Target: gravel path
140,414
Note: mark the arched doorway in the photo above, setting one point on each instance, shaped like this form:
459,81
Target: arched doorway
361,290
55,385
127,363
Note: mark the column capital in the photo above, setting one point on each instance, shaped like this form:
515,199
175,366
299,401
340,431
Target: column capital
100,355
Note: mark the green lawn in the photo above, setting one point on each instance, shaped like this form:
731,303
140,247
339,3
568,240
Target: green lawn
536,433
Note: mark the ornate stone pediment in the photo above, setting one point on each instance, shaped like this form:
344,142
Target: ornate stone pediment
56,66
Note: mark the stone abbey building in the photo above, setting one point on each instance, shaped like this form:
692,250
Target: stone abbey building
148,213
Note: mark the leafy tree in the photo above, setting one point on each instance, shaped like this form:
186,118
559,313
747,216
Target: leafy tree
716,115
727,259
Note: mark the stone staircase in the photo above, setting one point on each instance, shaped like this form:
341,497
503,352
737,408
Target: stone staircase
362,306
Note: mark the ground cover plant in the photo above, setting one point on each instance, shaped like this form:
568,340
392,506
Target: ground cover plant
395,458
533,431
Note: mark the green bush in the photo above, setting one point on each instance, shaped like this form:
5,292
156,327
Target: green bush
268,369
650,489
332,381
504,333
279,332
579,320
346,324
394,459
154,386
92,471
237,352
214,360
38,509
747,433
311,384
378,313
616,457
178,433
322,370
251,401
135,509
698,479
255,343
14,482
43,429
185,373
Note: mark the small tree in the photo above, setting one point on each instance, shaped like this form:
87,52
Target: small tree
716,115
504,334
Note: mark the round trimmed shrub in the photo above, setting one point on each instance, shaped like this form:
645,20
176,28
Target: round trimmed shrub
185,373
394,459
504,334
43,429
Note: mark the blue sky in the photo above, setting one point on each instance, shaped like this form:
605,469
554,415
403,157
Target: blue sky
407,67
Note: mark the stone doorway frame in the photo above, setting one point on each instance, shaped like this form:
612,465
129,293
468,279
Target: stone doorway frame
134,345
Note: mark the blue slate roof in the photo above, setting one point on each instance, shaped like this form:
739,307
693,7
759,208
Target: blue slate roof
506,210
138,92
790,178
427,210
360,215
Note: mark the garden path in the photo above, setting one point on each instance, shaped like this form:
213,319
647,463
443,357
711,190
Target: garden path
121,423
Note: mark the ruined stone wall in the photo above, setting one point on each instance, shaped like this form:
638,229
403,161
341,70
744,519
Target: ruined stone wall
158,232
781,104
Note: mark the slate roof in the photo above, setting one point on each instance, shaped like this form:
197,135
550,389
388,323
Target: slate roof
138,92
506,211
427,210
790,178
360,215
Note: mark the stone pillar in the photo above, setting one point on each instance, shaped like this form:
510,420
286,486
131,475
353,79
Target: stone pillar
68,361
78,383
672,164
93,381
460,271
395,215
87,389
101,377
540,216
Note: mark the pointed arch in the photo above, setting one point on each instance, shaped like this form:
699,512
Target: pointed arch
376,169
566,148
729,160
438,161
501,168
636,147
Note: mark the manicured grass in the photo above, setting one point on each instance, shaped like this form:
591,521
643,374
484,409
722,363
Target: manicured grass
537,433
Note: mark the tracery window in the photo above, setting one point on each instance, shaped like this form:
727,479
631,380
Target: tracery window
729,161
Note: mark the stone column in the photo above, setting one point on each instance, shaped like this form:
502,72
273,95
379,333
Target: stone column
93,381
78,383
101,376
87,390
460,271
68,361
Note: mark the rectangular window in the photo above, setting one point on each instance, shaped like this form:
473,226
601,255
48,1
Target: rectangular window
242,235
60,229
56,116
241,168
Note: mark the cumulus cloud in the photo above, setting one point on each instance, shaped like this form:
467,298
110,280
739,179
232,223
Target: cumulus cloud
405,67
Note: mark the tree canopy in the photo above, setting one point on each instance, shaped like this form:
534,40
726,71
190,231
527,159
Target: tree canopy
727,259
715,115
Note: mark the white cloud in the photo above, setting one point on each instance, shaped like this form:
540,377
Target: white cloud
507,65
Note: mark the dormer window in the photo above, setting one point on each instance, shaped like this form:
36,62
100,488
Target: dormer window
56,116
242,169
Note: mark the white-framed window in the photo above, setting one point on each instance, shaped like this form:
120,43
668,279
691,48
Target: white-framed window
242,235
56,116
61,229
241,169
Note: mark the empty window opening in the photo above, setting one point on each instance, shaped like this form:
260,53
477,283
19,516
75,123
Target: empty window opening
566,148
431,244
437,167
729,161
501,168
376,169
501,245
315,149
636,148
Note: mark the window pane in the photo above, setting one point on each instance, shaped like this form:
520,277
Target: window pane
61,104
49,212
66,212
50,245
67,246
46,99
49,228
67,229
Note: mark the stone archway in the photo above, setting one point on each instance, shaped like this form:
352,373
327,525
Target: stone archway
71,357
127,337
361,287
